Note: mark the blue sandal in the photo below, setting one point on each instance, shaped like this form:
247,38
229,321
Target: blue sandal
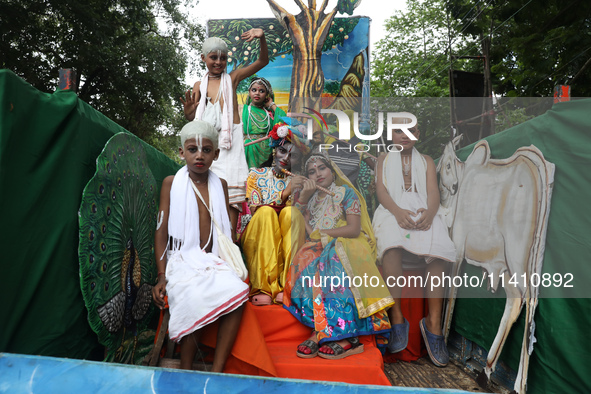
398,337
435,346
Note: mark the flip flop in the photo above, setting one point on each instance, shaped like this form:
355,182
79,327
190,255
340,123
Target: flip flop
435,346
339,352
261,299
310,344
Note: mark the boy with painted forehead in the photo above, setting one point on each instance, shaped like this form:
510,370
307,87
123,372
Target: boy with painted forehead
214,100
201,287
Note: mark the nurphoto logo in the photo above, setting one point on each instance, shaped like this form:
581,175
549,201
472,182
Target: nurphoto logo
394,121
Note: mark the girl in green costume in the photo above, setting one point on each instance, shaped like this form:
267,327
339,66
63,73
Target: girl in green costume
259,115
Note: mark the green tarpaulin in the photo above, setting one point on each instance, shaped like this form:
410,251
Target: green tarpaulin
48,149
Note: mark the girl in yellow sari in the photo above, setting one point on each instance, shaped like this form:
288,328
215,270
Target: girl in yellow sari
333,285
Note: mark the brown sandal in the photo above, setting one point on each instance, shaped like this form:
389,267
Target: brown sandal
310,344
339,352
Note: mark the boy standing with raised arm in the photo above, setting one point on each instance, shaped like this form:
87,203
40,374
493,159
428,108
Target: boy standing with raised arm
214,100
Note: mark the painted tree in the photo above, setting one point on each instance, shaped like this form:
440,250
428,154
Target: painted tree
308,31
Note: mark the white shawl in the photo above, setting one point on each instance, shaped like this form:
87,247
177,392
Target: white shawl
225,140
183,220
394,179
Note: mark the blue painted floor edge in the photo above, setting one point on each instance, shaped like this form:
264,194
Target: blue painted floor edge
38,374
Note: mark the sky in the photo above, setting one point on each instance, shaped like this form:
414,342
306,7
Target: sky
377,10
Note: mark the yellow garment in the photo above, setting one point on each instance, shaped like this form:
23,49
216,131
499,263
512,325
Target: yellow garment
268,242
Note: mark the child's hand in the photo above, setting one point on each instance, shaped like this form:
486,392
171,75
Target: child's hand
159,291
190,103
425,221
309,187
297,182
253,208
252,34
405,220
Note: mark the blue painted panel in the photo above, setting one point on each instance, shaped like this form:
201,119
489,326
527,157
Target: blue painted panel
36,374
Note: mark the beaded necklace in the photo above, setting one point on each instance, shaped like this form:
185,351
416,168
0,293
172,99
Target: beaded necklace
324,213
263,123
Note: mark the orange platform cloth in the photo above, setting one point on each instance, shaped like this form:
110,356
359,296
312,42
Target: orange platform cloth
266,346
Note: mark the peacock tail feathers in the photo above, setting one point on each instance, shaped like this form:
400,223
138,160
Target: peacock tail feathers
117,220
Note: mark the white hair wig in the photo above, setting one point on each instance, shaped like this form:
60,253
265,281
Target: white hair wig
198,130
214,44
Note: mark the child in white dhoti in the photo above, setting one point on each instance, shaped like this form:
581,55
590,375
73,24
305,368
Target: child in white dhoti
201,287
407,220
214,100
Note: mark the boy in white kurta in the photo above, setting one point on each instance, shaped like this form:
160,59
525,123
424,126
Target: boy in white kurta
201,287
214,100
407,220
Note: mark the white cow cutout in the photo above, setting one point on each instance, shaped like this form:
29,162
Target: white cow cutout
497,214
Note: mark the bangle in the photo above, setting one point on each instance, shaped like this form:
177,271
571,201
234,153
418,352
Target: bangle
160,273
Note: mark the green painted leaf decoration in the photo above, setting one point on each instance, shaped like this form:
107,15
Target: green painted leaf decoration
347,6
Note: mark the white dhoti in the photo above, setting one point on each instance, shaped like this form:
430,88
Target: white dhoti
199,292
431,244
231,166
434,243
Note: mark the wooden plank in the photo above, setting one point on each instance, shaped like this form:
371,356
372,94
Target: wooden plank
423,374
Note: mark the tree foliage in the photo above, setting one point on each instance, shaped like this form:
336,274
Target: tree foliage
413,58
130,56
534,46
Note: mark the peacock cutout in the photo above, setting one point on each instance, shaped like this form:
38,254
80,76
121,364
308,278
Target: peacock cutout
116,249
